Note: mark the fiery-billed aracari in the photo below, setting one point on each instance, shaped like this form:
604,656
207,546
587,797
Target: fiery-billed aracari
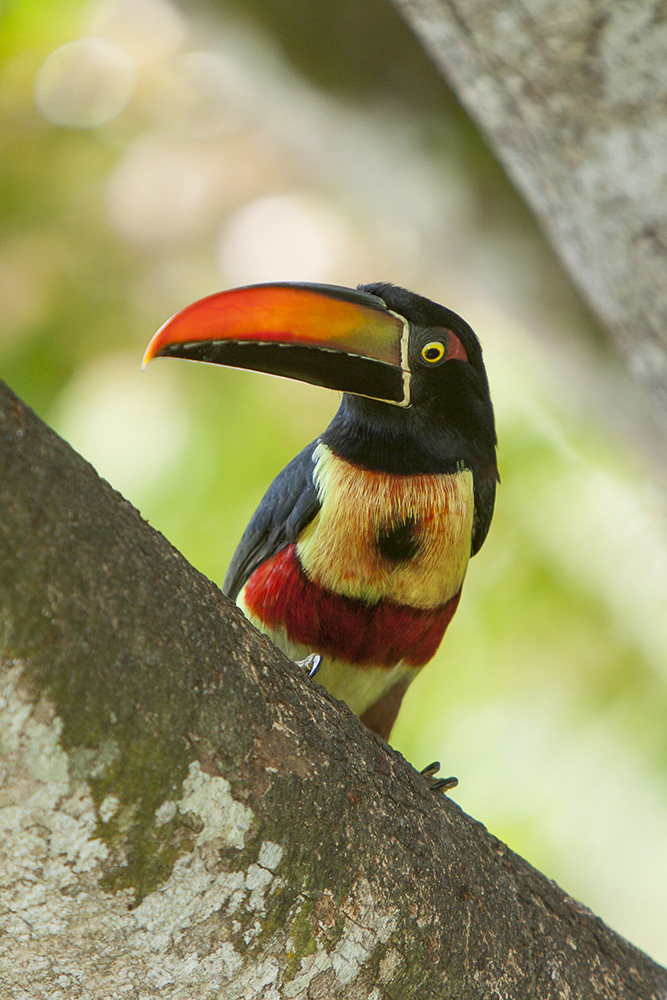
359,548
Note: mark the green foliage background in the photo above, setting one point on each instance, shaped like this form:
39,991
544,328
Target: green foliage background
321,138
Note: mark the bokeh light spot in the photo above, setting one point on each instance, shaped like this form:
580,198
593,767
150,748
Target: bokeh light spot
129,426
283,237
156,193
145,29
85,83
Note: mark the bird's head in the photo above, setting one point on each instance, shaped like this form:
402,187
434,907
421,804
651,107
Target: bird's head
404,360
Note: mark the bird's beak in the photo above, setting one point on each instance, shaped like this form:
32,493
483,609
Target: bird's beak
323,334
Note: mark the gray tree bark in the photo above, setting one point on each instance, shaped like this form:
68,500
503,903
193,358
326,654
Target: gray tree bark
184,814
573,98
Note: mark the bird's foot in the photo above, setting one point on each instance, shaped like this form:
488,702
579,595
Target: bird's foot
438,784
311,664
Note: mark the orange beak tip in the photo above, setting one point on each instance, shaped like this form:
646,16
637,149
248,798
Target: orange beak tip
148,356
154,346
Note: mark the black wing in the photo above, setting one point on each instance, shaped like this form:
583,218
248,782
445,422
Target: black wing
288,505
485,498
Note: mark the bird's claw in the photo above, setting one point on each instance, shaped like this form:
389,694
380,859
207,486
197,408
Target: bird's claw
311,663
438,784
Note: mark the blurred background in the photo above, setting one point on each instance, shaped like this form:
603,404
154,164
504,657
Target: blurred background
154,152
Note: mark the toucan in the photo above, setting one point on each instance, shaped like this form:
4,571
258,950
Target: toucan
355,558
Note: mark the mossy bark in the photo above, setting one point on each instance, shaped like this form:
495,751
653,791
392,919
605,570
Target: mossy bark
185,814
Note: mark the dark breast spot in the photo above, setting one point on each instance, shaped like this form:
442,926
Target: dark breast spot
399,540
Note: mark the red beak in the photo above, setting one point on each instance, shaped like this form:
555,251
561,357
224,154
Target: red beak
335,337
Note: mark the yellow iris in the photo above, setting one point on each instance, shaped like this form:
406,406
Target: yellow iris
433,352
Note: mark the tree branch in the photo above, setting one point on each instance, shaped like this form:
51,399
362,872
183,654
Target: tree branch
573,99
183,813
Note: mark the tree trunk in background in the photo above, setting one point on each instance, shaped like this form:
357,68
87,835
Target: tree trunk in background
573,98
184,814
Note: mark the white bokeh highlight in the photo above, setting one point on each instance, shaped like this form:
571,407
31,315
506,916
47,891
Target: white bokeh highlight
85,83
281,238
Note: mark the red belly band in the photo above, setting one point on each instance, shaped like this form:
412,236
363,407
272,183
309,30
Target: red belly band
280,594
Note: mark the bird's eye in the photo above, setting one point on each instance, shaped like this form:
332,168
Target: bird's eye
435,351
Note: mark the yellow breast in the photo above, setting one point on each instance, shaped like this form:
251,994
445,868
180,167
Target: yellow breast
348,548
